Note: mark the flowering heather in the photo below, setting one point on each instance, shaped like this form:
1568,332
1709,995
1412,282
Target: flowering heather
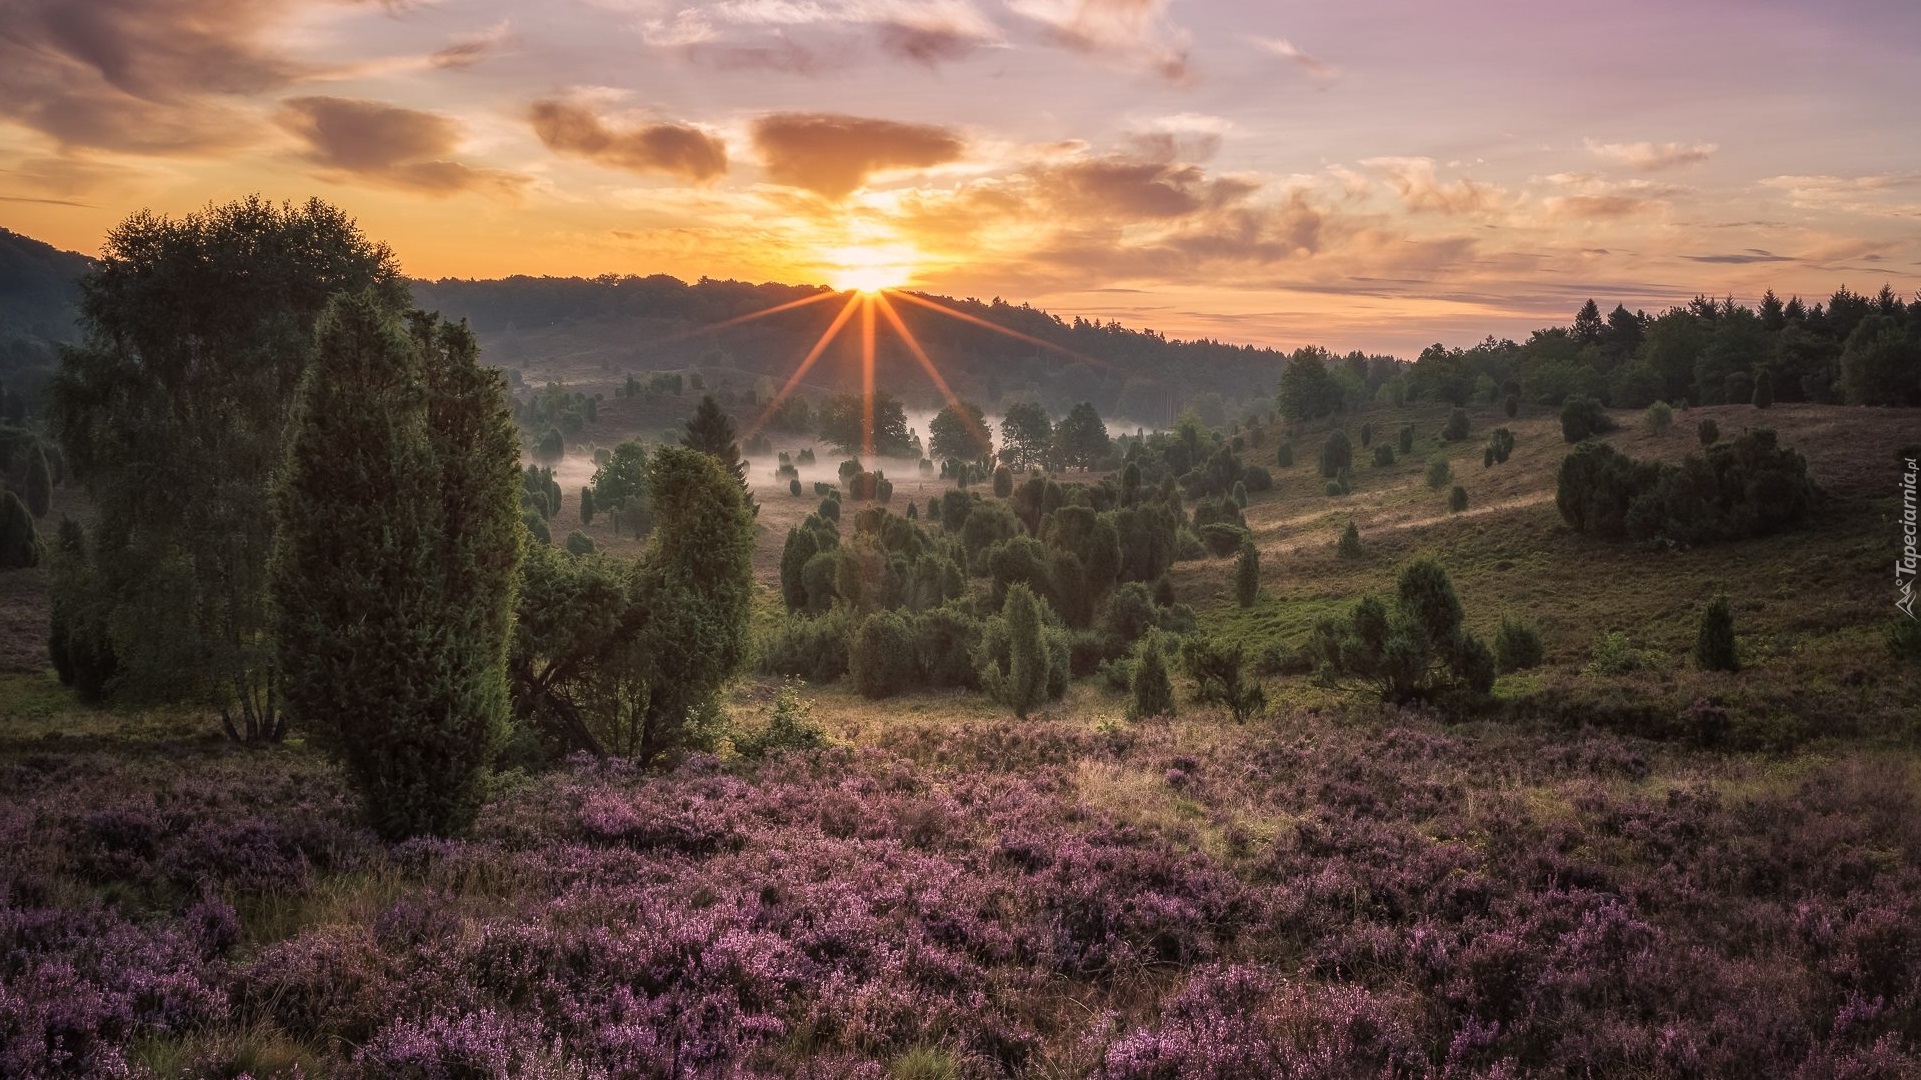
1297,897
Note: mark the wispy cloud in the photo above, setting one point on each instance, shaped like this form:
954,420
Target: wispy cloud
1422,192
1651,156
1136,33
1320,71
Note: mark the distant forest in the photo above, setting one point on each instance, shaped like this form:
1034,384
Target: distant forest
1850,347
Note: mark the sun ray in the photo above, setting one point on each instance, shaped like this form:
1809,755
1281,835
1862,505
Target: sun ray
738,319
977,321
927,364
867,374
813,354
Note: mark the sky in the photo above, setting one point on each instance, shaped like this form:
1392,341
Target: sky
1376,174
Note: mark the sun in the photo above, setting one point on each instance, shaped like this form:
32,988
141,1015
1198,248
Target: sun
870,269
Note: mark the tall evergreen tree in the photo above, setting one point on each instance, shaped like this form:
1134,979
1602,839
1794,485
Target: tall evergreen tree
174,416
711,432
1714,648
1247,574
396,562
1153,690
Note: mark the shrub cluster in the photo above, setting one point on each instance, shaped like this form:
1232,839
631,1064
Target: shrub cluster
1746,487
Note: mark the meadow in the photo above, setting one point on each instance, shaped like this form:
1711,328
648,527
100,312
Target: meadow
1612,869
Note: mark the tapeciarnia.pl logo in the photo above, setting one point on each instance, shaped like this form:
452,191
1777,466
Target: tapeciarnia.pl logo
1904,567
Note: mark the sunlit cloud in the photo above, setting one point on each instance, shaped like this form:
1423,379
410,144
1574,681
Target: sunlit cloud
1652,157
1320,71
1136,33
472,48
389,145
1422,192
574,129
833,155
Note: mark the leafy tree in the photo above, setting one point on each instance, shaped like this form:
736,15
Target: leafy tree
1081,440
843,426
1153,690
1714,648
396,563
1336,454
711,432
960,434
620,487
19,542
1247,573
1881,363
174,416
1307,390
1027,433
1216,670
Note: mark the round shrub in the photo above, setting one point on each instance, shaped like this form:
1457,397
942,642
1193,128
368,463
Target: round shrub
1517,647
882,660
1457,499
1708,431
1658,418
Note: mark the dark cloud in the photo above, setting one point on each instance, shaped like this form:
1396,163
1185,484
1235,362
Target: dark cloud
141,76
675,149
1136,189
833,155
929,45
387,144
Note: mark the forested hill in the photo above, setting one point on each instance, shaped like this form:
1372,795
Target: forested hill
39,298
583,330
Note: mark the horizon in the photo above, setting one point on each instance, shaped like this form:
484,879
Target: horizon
1303,179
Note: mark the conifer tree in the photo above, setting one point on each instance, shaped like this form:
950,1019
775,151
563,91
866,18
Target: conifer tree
396,563
711,432
1153,690
587,506
39,488
19,543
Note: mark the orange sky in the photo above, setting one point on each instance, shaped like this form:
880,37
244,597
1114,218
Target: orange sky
1374,175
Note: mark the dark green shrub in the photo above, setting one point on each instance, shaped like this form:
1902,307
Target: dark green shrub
1740,387
1457,499
19,541
552,446
1187,546
1383,455
1284,456
1367,435
1407,439
1714,647
1257,479
1583,417
1153,690
1216,669
1003,482
1415,651
793,487
830,509
801,545
1457,426
882,660
1247,573
945,643
1222,539
39,486
1336,454
1350,545
1512,406
1708,431
1022,661
1500,445
1658,418
579,543
1749,486
1517,647
817,650
78,641
790,727
1764,389
1439,472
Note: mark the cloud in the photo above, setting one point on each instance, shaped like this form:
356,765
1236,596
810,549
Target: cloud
1414,180
802,37
387,144
1742,258
1132,32
1320,71
472,49
1870,194
140,76
1652,157
833,155
1591,198
675,149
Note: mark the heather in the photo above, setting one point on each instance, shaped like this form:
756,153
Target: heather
1351,893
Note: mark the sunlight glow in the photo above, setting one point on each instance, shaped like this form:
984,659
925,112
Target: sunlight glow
870,268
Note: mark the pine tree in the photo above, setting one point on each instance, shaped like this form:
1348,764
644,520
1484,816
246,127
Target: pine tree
396,563
1247,574
1350,546
1714,648
1023,682
711,432
1457,499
